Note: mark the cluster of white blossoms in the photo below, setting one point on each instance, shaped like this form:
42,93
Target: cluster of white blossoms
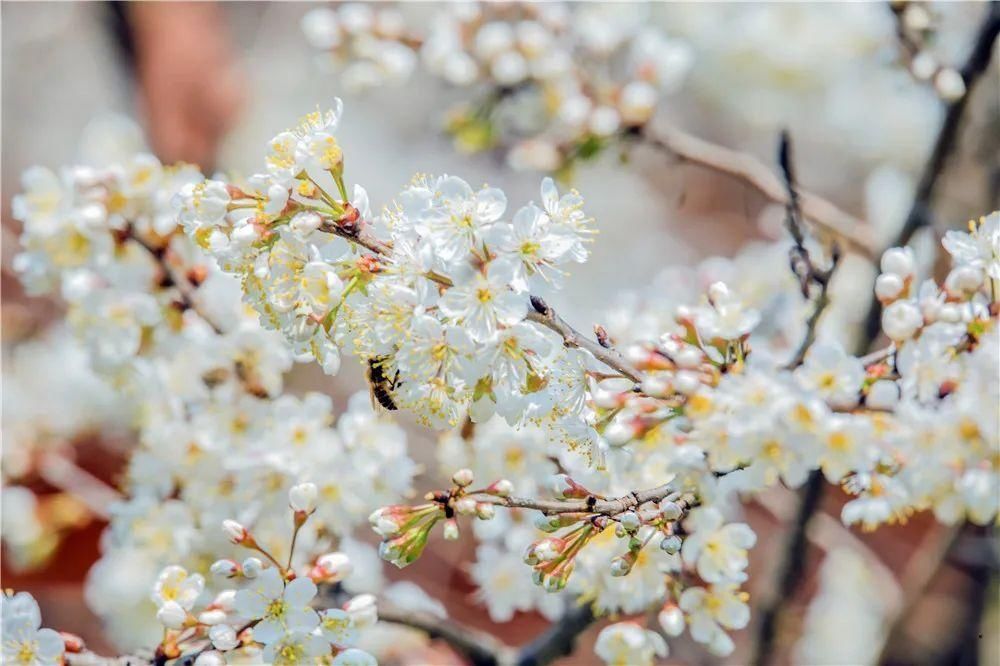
611,476
712,419
440,309
259,610
553,83
203,382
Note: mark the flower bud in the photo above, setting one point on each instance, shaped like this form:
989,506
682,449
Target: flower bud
564,487
465,506
671,618
302,497
604,121
657,385
688,357
687,382
335,567
384,523
901,320
637,102
620,566
671,544
618,433
888,287
72,643
252,567
548,549
629,520
212,617
485,511
883,394
899,261
171,615
224,568
223,637
671,510
950,84
225,600
501,488
235,532
451,529
463,477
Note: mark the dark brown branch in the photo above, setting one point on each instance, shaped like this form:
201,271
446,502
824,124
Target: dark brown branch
479,647
945,144
559,640
791,570
915,579
801,261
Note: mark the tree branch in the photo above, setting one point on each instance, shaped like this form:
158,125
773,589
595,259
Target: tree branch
479,647
919,215
591,505
791,569
181,283
915,579
800,259
852,231
541,313
558,640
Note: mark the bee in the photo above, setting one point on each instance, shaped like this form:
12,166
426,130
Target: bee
380,385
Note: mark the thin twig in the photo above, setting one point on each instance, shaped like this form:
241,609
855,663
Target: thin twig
800,259
542,313
852,231
945,144
591,505
183,286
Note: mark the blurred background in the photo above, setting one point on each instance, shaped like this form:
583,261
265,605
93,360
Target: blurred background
211,83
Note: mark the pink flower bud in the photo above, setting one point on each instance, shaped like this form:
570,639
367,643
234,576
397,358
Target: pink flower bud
335,567
235,532
463,477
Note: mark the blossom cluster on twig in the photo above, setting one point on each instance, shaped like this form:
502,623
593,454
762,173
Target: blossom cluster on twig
625,448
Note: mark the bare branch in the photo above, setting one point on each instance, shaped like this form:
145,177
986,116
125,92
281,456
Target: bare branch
802,263
479,647
853,232
591,505
792,568
541,313
559,640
